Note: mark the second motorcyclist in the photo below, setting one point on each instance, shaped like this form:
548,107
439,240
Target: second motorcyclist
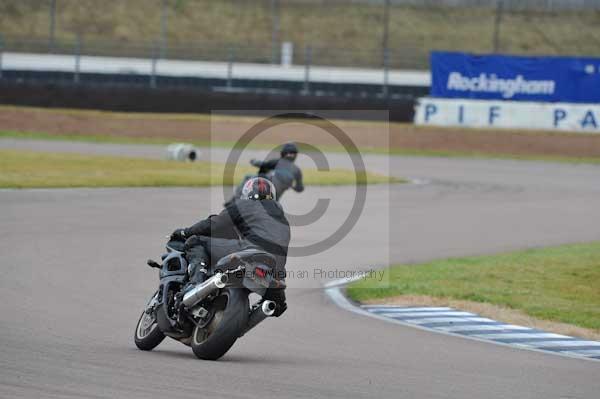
283,172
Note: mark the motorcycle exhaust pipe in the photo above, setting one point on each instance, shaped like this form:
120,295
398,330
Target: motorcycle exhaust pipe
202,290
268,308
259,314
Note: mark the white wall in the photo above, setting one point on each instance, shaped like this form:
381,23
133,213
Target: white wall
508,114
205,69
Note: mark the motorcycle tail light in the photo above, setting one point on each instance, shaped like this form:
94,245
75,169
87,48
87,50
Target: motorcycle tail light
260,272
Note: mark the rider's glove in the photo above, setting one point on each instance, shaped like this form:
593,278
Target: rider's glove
178,235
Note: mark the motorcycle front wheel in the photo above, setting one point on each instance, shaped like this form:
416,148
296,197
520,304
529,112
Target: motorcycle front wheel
147,334
229,318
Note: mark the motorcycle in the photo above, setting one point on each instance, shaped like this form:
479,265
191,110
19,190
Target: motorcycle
212,315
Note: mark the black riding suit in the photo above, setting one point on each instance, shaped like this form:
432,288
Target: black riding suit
242,224
283,172
260,224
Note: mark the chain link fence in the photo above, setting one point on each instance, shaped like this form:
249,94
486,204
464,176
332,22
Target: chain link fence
389,34
539,5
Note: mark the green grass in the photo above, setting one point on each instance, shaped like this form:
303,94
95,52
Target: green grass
557,283
227,144
27,169
206,28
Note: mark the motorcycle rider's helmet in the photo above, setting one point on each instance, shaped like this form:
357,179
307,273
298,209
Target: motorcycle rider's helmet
258,189
289,151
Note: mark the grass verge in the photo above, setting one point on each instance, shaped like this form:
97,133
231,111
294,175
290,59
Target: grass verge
228,144
555,284
28,169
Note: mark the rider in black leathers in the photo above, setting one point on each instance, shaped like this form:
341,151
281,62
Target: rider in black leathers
283,172
254,220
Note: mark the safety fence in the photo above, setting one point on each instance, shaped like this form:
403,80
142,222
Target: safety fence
394,34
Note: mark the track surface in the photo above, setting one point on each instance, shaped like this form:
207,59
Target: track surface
74,283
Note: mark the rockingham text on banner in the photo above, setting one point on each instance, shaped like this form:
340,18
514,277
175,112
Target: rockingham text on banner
515,78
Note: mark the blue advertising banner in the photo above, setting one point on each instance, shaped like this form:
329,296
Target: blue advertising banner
515,78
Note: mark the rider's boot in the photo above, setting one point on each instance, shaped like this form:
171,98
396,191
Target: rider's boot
197,272
198,262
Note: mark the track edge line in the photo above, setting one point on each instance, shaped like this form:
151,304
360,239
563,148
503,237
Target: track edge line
333,290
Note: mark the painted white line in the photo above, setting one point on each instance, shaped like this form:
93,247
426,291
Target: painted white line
419,182
337,297
342,281
375,308
478,327
449,320
550,343
427,314
585,352
519,335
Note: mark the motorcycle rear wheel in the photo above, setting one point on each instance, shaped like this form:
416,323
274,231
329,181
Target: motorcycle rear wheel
229,320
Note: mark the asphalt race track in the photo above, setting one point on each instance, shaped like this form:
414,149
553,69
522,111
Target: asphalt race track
74,283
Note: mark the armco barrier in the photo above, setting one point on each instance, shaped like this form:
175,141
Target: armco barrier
508,114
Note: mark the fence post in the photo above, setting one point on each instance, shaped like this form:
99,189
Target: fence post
386,73
275,28
78,45
307,63
163,29
1,54
230,68
52,28
386,30
155,54
497,24
52,32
